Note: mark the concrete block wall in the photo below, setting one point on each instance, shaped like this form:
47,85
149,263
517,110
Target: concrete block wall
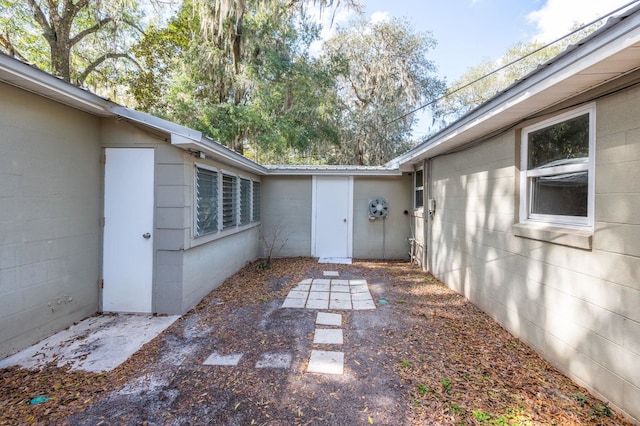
50,210
577,307
286,209
378,239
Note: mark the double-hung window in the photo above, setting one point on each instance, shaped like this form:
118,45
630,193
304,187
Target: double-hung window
557,170
418,186
206,201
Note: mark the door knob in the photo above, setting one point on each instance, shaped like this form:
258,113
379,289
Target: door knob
146,236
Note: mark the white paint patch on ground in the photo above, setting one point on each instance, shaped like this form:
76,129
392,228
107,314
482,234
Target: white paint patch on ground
96,344
274,360
225,360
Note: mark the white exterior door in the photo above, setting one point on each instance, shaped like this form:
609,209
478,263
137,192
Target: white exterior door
332,226
128,230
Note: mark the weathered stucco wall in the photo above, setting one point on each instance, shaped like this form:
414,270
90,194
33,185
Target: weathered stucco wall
579,308
50,210
382,239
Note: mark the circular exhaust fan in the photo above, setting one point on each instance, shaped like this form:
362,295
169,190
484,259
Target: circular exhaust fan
378,207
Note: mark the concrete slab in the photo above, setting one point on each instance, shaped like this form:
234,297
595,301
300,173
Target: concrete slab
330,274
317,304
325,318
320,287
339,296
306,281
363,304
328,336
99,343
358,282
340,304
339,282
294,303
301,287
340,288
326,362
361,296
230,360
319,295
297,294
359,289
337,260
274,360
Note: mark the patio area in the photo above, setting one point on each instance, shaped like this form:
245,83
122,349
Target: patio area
259,351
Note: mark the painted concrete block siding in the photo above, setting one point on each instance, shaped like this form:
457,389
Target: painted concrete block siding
49,217
394,232
207,266
286,208
577,307
187,267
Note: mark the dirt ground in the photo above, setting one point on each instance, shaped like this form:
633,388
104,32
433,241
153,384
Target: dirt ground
426,356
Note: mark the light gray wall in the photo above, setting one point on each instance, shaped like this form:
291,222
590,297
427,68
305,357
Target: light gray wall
286,211
50,210
382,239
579,308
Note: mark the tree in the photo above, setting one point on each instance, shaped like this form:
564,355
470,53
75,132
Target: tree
384,73
487,79
259,91
80,37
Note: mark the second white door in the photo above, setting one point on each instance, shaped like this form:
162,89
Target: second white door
332,216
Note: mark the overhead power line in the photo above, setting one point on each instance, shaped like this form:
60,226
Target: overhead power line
515,61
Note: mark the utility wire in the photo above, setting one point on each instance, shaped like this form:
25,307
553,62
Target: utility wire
413,111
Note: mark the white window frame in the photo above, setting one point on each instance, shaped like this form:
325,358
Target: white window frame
195,196
418,188
526,190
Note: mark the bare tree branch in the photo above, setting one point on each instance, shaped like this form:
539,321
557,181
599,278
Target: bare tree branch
96,63
41,19
5,42
82,34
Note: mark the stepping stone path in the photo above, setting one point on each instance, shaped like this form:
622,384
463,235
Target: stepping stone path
319,293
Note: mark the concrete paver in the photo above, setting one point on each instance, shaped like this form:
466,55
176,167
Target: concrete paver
330,273
328,336
326,318
318,304
327,362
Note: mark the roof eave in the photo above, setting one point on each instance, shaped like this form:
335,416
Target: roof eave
547,81
31,79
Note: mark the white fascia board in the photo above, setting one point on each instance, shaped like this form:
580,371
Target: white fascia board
217,152
156,123
332,171
27,77
624,35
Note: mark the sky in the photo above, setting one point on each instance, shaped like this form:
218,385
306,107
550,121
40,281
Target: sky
470,31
